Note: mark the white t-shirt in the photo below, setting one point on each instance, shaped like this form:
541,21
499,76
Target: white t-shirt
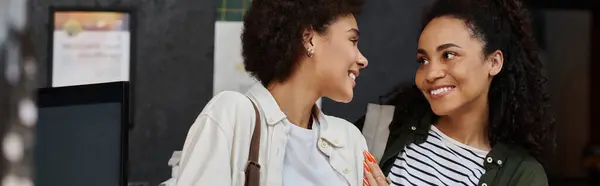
304,164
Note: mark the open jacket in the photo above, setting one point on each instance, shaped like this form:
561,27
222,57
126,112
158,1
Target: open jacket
217,145
504,165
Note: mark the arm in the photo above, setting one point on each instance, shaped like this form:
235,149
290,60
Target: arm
206,155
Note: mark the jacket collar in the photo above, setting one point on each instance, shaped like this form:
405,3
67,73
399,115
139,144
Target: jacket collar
329,128
267,104
500,153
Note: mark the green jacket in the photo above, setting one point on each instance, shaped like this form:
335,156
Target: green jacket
504,164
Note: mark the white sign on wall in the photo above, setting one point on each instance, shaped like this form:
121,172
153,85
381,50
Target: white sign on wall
90,47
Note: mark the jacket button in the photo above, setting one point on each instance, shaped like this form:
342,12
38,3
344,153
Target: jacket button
413,128
489,159
323,144
484,184
499,162
346,171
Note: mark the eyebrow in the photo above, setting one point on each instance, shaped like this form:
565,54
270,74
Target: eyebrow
446,46
355,31
439,48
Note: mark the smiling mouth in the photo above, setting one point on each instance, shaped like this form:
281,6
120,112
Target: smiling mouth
441,91
352,75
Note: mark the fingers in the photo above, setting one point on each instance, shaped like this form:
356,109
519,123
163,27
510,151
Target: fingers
369,157
373,171
367,171
377,174
365,182
370,179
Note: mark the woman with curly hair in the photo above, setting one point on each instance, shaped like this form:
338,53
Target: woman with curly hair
478,114
299,51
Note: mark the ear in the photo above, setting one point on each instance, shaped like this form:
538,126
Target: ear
307,37
496,62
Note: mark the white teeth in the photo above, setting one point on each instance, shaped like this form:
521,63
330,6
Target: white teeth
351,75
440,90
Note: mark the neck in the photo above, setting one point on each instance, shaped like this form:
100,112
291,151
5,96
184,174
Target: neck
296,98
468,126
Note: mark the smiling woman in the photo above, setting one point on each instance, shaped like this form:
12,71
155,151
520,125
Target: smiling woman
478,112
299,51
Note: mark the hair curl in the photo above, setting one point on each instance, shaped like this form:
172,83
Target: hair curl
518,104
272,42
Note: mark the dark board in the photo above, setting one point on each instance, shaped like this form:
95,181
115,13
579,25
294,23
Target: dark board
81,135
389,33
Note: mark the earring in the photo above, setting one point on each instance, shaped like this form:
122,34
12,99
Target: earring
310,52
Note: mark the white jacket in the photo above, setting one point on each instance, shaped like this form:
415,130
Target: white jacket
217,146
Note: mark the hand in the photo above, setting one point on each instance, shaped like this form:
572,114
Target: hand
373,174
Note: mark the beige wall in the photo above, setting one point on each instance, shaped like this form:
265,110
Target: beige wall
567,59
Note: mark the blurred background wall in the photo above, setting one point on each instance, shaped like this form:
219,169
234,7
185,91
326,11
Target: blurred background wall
567,54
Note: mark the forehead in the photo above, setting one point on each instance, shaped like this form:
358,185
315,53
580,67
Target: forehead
444,30
344,23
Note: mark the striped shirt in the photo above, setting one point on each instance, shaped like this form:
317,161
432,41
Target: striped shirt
440,160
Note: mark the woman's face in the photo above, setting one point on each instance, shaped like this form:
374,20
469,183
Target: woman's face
337,59
454,74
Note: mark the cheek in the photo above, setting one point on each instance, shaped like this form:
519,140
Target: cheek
473,80
329,69
337,57
420,78
346,56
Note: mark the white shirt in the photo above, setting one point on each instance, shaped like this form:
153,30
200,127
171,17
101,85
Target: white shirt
441,160
304,164
217,145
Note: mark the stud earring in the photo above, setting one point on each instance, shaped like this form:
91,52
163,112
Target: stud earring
310,52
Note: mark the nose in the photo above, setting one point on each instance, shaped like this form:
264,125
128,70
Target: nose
435,72
363,62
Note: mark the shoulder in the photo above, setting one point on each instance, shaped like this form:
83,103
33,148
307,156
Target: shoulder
228,107
227,101
527,170
530,172
531,165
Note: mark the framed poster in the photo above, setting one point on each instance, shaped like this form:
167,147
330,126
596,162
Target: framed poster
90,46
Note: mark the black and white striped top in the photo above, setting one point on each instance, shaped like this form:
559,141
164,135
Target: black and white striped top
441,160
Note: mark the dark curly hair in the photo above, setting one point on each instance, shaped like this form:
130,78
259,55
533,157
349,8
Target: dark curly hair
272,42
518,105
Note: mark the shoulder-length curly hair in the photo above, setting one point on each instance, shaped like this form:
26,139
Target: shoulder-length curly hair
518,104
